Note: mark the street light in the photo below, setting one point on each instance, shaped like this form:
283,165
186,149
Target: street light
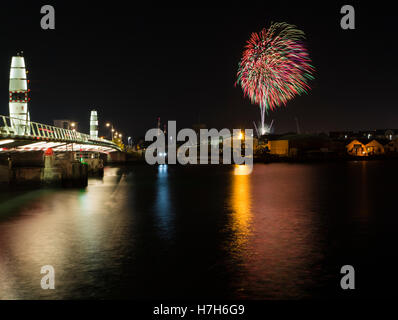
110,125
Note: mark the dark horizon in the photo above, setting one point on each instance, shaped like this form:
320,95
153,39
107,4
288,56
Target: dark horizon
136,64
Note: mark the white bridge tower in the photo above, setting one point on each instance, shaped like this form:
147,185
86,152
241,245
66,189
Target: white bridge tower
18,96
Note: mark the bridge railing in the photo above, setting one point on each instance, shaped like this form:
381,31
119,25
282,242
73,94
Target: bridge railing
24,129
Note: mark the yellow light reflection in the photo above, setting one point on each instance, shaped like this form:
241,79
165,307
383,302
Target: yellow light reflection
283,242
241,206
242,170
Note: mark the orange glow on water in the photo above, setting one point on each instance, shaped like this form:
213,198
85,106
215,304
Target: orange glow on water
241,206
272,222
242,170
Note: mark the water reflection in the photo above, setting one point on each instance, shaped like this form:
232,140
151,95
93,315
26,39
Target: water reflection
162,202
241,207
362,203
78,232
273,222
281,232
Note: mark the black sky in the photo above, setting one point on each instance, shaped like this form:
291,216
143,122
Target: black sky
134,63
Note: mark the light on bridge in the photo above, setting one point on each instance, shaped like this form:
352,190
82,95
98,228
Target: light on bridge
6,141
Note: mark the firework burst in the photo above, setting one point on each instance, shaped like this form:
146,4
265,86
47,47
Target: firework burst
275,67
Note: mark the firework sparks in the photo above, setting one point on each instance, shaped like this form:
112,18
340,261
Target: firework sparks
275,67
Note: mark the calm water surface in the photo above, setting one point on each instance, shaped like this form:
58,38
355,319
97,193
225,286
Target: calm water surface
282,232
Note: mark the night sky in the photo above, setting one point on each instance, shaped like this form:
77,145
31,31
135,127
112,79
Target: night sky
134,63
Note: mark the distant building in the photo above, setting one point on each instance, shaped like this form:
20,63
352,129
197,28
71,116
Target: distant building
391,146
364,148
342,135
379,134
356,148
389,134
292,145
66,124
369,134
374,147
279,147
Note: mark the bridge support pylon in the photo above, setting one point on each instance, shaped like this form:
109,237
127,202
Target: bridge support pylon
50,173
50,169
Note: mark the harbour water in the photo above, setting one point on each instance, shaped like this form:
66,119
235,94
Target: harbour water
282,232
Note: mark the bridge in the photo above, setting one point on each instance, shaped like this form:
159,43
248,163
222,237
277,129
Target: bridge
40,137
68,157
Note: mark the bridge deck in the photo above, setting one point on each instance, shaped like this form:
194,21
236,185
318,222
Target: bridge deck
18,135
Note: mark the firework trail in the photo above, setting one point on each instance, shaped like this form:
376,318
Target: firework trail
275,67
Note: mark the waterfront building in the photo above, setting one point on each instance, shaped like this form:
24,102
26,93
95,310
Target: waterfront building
279,147
364,148
292,145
